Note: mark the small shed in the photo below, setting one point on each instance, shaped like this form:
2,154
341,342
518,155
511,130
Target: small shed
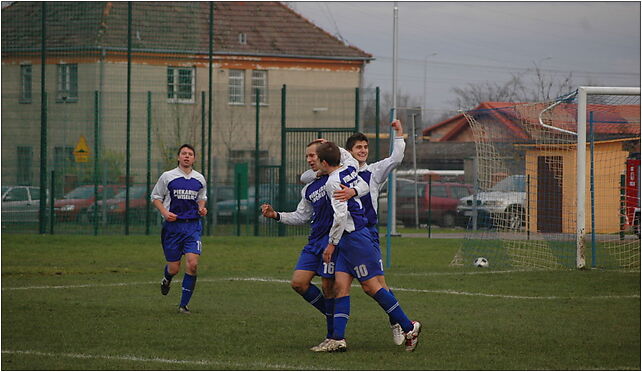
551,171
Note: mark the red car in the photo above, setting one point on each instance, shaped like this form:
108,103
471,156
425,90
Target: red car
73,206
114,209
444,199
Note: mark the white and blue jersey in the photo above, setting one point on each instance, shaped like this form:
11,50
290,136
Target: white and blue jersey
180,194
315,208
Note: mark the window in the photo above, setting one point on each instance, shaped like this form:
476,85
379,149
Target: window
259,81
242,38
180,84
25,83
17,194
439,191
236,87
460,191
67,83
25,165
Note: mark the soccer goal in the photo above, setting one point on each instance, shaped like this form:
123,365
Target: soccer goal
552,182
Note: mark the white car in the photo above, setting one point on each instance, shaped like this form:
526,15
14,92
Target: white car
20,204
503,202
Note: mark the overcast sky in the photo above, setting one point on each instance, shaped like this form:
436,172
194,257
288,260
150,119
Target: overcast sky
458,43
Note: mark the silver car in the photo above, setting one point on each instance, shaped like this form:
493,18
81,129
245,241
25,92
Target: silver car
20,203
503,202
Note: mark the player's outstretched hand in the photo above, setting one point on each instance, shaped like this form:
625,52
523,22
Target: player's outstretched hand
268,211
345,193
396,125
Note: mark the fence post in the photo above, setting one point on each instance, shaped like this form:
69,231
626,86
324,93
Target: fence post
43,119
149,162
282,170
356,109
96,160
377,121
129,122
256,167
51,201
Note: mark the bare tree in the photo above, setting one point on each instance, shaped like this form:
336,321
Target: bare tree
540,87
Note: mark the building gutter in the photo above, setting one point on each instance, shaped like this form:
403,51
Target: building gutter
188,52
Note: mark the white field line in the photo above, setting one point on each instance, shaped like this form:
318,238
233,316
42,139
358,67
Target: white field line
131,358
396,289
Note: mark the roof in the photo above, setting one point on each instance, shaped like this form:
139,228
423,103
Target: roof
270,28
608,120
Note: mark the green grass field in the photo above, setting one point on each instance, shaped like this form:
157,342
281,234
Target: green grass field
93,303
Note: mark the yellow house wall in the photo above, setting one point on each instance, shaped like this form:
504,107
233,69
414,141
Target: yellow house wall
609,160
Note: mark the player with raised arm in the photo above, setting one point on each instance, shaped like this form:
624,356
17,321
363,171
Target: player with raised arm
358,256
374,174
180,195
315,207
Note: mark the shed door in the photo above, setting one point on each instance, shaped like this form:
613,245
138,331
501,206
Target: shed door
549,193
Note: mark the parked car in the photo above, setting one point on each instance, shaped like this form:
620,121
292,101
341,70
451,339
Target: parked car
443,201
73,206
505,201
228,210
20,203
114,209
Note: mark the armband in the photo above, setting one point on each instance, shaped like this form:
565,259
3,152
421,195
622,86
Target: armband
278,216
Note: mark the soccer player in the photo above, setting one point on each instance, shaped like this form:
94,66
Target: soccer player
314,206
358,256
374,174
180,195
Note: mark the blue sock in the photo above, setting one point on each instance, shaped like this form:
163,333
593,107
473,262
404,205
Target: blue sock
189,282
341,316
391,306
329,316
168,276
315,298
392,321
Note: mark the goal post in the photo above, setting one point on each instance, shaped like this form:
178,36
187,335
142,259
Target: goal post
550,182
583,93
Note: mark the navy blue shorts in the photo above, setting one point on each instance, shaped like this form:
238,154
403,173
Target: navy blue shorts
359,256
374,232
180,237
311,259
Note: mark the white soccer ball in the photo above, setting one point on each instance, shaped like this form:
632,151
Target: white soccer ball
480,262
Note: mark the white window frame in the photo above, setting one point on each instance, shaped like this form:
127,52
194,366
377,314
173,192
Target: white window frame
173,86
236,87
67,81
26,81
259,81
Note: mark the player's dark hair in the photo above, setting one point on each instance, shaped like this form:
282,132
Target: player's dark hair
315,142
329,152
354,138
188,146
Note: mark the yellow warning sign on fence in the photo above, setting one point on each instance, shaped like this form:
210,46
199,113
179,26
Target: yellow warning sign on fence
81,151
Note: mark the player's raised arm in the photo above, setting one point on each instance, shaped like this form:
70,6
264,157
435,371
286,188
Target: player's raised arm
382,168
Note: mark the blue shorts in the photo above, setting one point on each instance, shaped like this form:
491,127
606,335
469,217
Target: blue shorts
311,259
358,255
180,237
374,232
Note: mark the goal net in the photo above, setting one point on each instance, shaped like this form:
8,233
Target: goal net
557,183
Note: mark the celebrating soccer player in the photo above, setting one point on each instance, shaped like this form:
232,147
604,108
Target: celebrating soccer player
314,206
359,257
374,174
